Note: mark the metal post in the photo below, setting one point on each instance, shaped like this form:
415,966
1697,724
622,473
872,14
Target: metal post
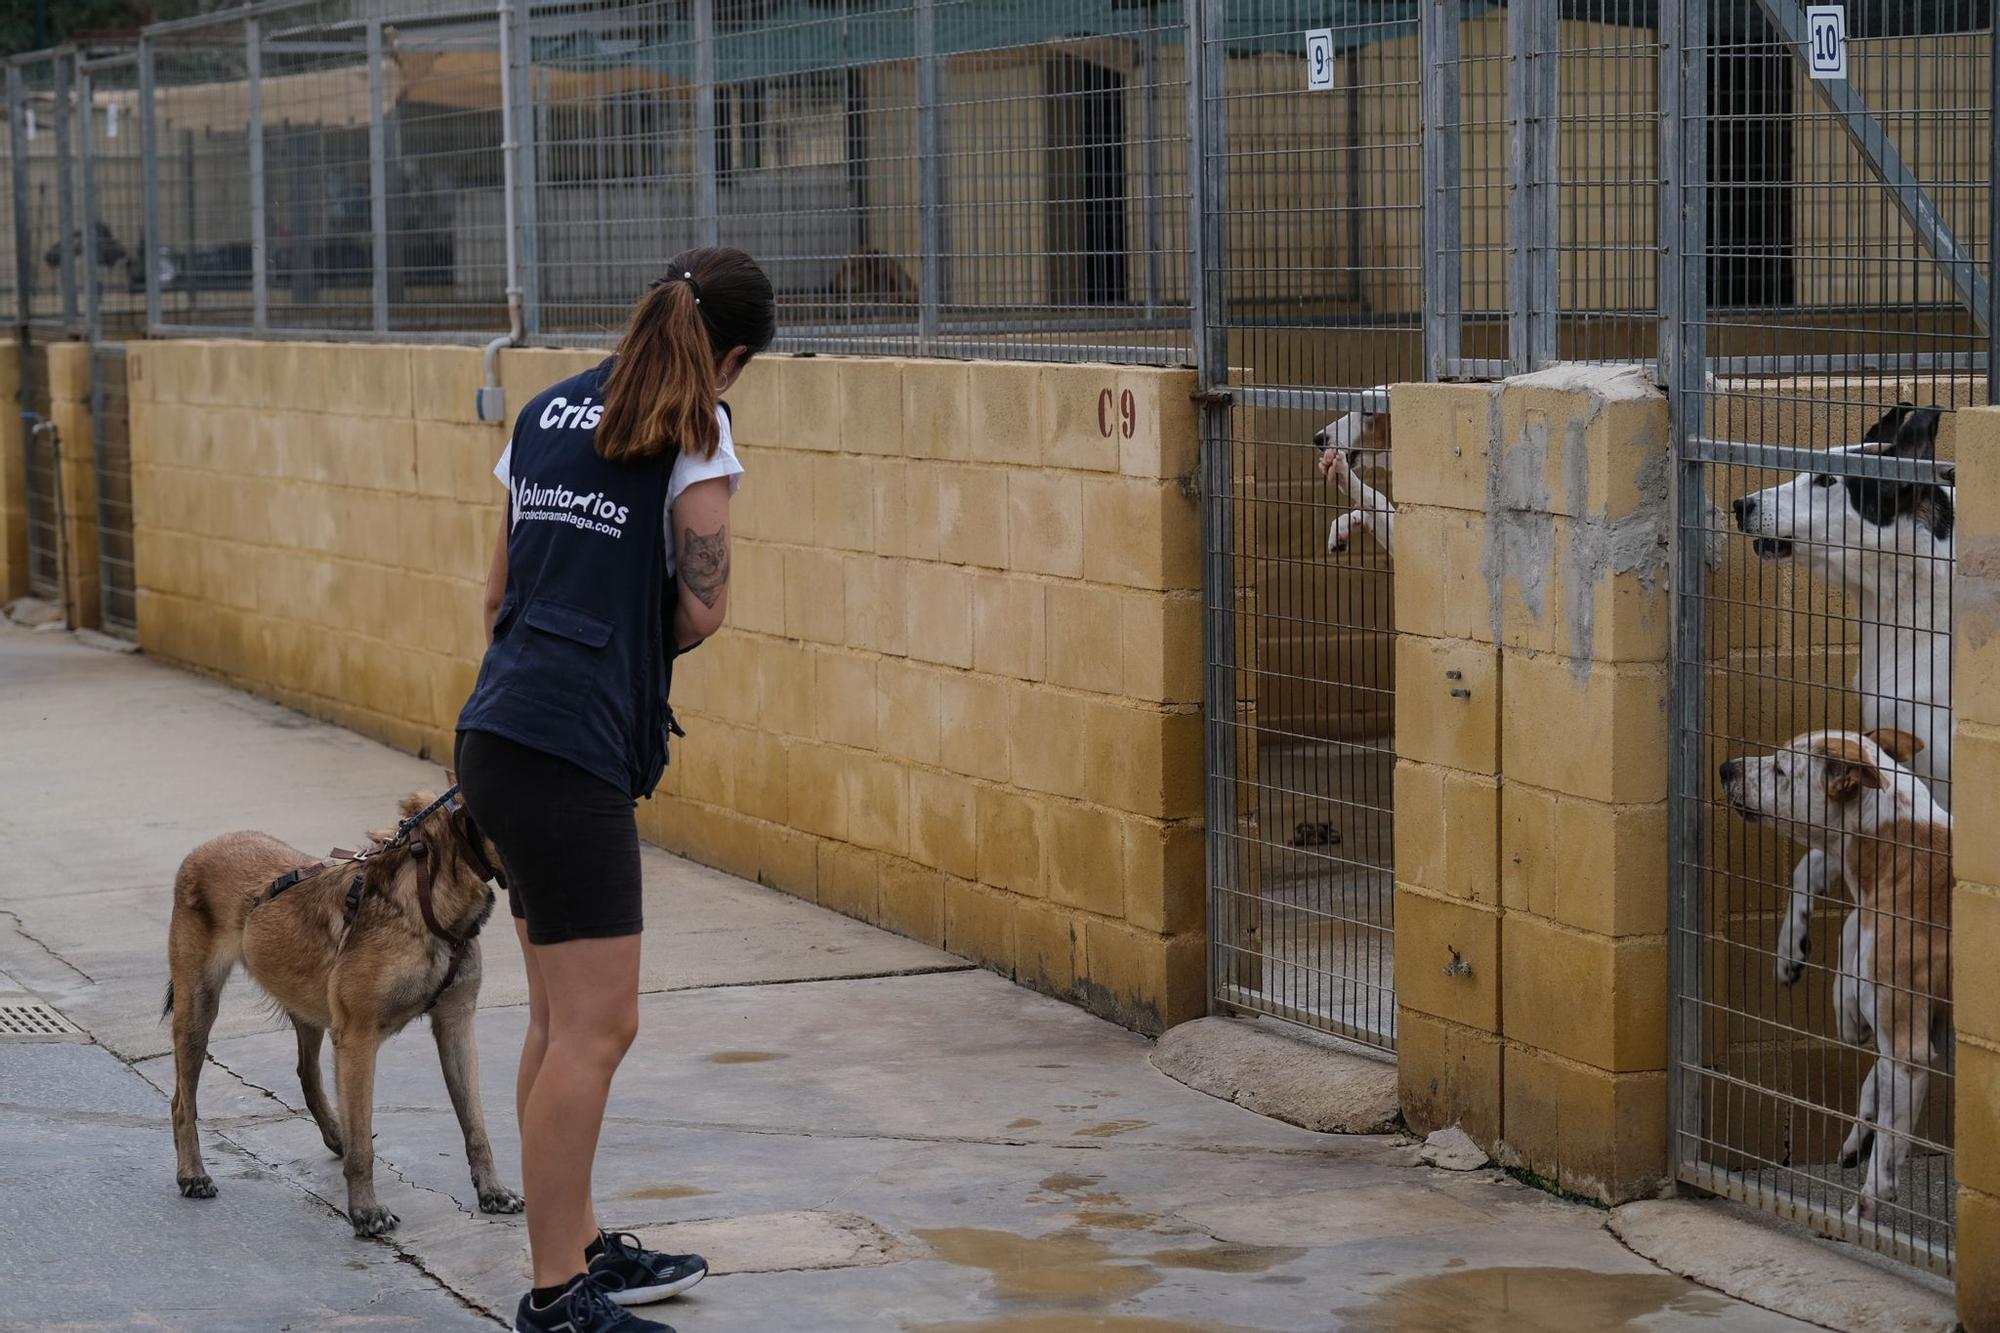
1443,288
708,220
65,203
1993,211
93,304
260,262
1207,300
1533,61
1156,235
378,178
17,131
521,134
930,185
1684,357
151,246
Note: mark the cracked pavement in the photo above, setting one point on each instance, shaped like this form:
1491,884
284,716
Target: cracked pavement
859,1131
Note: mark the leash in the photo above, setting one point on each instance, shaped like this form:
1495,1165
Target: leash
407,834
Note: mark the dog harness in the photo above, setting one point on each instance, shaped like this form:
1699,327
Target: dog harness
357,888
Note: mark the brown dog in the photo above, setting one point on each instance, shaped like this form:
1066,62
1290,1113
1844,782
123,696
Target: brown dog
356,946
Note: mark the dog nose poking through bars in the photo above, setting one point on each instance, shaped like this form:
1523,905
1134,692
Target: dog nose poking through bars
356,946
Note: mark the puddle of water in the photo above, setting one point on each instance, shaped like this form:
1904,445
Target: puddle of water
1064,1182
1064,1268
1227,1258
1531,1300
1113,1221
743,1057
1070,1323
1025,1122
666,1192
1110,1129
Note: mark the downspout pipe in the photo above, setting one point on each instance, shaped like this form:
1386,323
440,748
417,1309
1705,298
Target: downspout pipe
492,403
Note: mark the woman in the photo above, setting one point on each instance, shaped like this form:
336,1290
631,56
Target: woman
615,559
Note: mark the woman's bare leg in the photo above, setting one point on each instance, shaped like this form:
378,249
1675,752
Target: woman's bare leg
592,990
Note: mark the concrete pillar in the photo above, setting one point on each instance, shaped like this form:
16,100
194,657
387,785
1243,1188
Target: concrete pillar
69,408
13,479
1975,931
1531,727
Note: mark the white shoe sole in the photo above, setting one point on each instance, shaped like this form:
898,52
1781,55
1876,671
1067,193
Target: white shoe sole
665,1291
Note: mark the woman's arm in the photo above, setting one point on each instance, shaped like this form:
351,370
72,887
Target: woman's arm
496,580
701,554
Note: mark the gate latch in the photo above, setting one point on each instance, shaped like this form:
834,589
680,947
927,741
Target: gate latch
1212,397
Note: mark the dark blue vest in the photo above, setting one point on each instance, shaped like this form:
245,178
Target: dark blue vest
580,666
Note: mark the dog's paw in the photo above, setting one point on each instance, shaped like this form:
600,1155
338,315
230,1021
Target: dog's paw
196,1187
1856,1148
373,1220
333,1144
500,1199
1792,960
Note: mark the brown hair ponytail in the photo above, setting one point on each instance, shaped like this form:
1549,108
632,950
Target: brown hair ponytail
663,389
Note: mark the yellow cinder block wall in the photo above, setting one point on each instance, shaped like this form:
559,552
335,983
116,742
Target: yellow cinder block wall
13,478
69,409
959,692
1975,763
1531,876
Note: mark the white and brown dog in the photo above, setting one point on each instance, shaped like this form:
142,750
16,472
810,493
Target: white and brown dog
1854,799
1888,546
1342,445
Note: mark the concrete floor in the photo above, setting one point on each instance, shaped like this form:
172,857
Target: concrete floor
860,1132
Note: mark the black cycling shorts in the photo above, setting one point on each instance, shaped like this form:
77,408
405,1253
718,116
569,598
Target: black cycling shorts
568,841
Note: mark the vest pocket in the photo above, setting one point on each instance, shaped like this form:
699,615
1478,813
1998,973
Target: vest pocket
569,623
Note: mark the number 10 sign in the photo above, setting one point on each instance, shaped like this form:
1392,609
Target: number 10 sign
1826,41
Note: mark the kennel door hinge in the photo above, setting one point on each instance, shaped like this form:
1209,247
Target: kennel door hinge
1212,397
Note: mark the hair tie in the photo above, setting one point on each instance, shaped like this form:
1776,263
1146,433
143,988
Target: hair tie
688,278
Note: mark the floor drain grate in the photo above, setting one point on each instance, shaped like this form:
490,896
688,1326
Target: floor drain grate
34,1019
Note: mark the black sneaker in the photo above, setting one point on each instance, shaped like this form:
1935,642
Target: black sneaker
631,1274
584,1308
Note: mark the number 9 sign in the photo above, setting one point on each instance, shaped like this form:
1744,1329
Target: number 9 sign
1117,414
1319,60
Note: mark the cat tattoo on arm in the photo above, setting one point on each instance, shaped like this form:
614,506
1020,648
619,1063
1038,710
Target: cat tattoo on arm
704,564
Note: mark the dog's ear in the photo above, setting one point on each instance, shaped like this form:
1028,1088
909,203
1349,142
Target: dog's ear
416,801
1900,746
1916,433
1884,431
1850,769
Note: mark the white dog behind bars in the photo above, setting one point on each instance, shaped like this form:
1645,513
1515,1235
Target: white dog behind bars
1342,445
1888,546
1852,799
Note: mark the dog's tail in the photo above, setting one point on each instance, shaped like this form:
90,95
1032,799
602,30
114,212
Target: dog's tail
167,1009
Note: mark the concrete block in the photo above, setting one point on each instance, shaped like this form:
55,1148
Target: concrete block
1166,876
979,924
877,596
1448,831
1448,958
444,386
815,596
777,502
972,516
1085,863
939,624
1453,425
757,588
1004,405
843,503
1010,626
1011,830
1048,947
849,880
1080,417
1165,442
1976,1096
845,698
1440,590
1447,703
1978,1260
1447,1074
1975,933
763,785
1621,706
1045,523
878,804
910,711
1586,864
974,715
871,407
1547,969
1162,644
1584,440
1086,637
910,901
1594,1133
937,412
820,790
1140,534
1142,760
1975,760
944,822
811,391
757,403
1049,750
1140,980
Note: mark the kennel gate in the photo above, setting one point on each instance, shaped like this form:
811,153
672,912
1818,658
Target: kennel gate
1827,250
1308,227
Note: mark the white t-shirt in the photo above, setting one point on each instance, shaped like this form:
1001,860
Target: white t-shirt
688,469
